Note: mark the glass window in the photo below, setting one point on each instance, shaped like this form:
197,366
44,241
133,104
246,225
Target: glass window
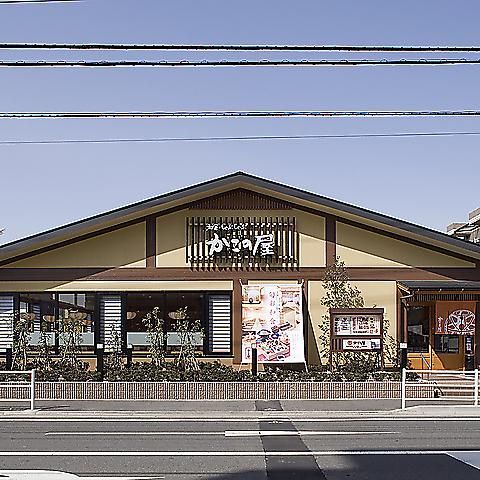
138,305
78,307
447,343
81,304
39,310
418,327
183,305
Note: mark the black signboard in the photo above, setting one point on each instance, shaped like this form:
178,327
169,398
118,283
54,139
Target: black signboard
241,241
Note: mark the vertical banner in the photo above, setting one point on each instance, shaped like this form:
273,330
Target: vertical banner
272,317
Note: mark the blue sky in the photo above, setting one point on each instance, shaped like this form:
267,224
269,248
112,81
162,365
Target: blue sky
430,181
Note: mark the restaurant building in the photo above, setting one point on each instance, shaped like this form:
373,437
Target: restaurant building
246,257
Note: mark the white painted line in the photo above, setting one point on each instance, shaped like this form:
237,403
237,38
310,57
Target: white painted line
101,434
226,433
281,433
230,453
55,475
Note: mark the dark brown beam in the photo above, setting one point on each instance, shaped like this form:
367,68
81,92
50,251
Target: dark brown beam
151,242
331,240
174,273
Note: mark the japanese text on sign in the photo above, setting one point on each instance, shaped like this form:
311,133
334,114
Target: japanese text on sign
356,325
263,244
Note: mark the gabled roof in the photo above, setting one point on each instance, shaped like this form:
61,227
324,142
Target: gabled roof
240,180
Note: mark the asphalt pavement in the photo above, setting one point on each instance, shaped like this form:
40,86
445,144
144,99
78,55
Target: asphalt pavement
263,441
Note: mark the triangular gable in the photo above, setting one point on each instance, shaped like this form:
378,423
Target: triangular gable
255,192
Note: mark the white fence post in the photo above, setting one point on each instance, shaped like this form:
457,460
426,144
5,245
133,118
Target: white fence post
32,390
476,387
404,388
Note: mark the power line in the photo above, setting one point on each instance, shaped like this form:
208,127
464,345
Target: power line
257,114
239,63
253,137
205,47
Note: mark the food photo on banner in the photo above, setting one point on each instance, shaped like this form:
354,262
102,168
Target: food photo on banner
272,318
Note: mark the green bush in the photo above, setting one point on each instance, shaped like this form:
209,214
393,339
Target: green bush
62,372
208,372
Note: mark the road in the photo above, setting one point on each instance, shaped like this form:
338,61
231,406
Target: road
238,446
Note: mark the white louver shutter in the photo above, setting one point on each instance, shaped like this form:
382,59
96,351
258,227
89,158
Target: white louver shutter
219,323
6,321
36,323
110,318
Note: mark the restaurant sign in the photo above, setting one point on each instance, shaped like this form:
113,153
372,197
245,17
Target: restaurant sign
241,240
455,318
356,329
361,344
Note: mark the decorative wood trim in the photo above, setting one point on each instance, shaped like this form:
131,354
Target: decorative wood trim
174,273
331,240
240,199
151,242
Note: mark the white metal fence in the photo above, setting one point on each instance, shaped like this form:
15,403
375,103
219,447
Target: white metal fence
451,385
14,390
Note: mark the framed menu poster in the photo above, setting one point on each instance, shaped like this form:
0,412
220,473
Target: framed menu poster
356,329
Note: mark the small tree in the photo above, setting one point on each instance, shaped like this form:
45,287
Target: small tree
188,332
339,293
44,360
154,323
21,339
71,329
114,349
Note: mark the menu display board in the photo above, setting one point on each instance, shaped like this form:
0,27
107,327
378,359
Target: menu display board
364,326
272,318
356,324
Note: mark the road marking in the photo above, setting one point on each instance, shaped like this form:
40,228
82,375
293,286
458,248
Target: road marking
56,475
240,420
89,434
273,433
226,433
323,453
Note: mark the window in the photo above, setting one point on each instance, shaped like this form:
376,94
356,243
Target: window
180,306
213,311
446,344
138,305
46,313
39,309
81,308
418,326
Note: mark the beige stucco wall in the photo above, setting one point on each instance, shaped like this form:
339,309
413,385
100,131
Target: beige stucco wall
375,294
361,248
121,248
171,234
117,286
